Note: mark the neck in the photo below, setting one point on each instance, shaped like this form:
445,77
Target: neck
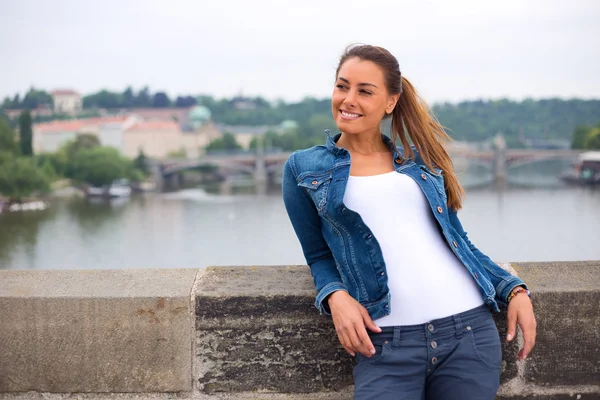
364,143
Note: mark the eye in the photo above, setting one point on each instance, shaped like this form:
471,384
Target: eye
340,86
366,92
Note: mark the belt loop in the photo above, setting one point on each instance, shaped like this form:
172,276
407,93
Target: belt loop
396,340
458,331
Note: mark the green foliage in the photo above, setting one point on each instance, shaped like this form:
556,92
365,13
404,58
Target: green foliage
7,138
544,119
227,142
592,141
20,177
586,138
579,137
100,166
25,133
161,99
57,161
141,163
33,99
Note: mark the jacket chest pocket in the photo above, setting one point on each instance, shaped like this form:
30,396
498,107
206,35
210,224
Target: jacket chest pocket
317,187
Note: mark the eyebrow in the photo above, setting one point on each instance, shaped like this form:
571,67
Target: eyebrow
360,84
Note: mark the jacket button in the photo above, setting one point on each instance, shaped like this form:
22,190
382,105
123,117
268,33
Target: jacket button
314,182
369,236
424,177
440,209
454,243
398,161
476,276
383,273
343,209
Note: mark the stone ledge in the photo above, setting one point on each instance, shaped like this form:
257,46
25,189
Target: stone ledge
96,331
244,326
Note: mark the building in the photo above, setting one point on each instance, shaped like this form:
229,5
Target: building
50,136
129,134
66,101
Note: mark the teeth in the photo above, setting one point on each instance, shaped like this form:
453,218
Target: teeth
346,114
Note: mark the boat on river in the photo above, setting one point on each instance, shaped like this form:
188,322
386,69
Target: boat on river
586,171
118,188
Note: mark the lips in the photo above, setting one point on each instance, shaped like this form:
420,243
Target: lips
349,115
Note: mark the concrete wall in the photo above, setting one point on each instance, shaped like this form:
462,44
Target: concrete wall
246,333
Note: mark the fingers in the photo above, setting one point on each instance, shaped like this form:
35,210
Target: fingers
349,318
528,326
372,326
511,323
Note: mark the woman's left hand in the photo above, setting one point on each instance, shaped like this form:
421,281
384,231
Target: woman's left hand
520,311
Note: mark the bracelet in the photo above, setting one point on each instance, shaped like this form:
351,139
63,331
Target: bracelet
516,291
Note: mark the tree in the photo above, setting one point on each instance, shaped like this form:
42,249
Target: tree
8,143
68,152
579,137
586,138
35,98
20,177
592,141
99,166
160,100
141,163
128,98
143,98
25,133
184,101
227,142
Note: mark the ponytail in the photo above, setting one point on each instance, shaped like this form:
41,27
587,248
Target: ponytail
412,115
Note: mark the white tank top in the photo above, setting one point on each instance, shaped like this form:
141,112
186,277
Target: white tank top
426,280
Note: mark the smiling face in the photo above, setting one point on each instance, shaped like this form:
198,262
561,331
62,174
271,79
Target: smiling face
360,98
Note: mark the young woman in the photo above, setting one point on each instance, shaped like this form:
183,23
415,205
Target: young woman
409,294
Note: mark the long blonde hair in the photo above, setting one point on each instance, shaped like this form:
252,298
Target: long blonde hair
412,116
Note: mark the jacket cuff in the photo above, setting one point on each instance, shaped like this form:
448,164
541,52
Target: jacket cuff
321,300
506,286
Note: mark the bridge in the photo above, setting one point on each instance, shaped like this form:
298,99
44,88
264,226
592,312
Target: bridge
264,166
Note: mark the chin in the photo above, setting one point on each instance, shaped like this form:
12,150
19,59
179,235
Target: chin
349,127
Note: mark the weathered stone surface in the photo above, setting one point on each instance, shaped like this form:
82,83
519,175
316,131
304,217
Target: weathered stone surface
242,321
96,331
566,298
259,323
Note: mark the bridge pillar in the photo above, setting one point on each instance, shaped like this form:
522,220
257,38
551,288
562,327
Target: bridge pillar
260,169
172,182
500,166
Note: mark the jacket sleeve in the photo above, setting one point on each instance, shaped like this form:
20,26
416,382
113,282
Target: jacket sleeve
307,225
501,279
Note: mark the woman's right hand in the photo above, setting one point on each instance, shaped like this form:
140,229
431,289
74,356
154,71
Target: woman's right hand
350,319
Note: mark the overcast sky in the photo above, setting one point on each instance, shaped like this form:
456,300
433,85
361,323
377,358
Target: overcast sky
450,49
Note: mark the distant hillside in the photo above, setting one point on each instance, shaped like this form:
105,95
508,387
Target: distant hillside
541,119
549,119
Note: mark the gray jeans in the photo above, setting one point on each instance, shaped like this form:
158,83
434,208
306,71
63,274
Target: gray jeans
457,357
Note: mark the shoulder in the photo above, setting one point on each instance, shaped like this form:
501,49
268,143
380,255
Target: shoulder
311,159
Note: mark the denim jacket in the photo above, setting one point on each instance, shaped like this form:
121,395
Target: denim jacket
339,247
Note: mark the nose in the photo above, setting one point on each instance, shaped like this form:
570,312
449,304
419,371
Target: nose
350,99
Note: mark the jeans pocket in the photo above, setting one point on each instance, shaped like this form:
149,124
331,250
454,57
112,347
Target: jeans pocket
485,341
379,351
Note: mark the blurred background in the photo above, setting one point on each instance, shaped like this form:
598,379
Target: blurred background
152,134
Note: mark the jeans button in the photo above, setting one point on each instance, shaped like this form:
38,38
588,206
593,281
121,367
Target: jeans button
433,344
430,327
434,360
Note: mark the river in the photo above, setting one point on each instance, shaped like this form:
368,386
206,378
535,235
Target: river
535,218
